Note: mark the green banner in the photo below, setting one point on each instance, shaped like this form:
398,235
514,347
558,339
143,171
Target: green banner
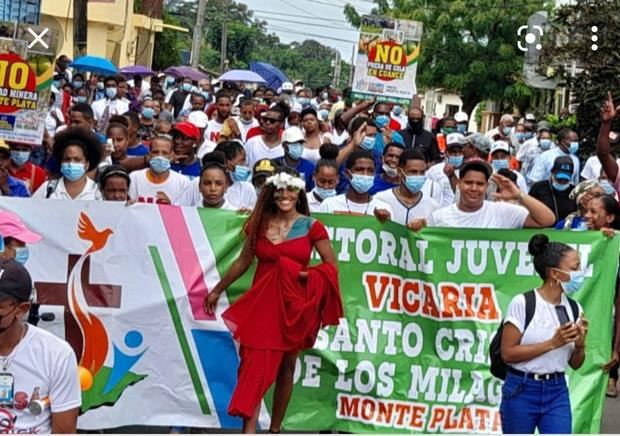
421,309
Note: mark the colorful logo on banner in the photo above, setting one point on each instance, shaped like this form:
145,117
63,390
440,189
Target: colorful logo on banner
388,60
18,84
86,333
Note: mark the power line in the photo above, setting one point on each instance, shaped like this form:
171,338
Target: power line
297,32
299,9
261,12
323,26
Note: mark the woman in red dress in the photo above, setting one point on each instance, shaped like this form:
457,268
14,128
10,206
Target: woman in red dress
288,302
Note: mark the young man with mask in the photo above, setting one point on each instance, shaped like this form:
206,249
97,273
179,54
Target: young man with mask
39,370
416,137
408,200
462,123
555,192
186,136
111,105
158,184
9,186
446,173
178,97
293,144
22,169
360,173
388,176
568,145
246,119
500,159
533,148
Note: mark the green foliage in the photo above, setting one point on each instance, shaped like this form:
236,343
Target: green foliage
597,71
168,45
558,124
248,40
468,46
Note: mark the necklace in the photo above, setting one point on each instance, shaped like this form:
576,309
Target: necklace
8,359
356,213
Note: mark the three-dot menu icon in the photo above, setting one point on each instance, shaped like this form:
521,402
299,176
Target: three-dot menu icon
594,38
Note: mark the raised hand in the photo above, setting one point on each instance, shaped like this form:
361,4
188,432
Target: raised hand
609,111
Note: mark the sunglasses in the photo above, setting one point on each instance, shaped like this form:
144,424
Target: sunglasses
268,120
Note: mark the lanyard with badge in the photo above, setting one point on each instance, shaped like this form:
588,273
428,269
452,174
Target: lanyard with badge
7,380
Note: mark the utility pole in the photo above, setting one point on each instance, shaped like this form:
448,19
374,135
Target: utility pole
352,72
337,69
80,27
197,39
224,44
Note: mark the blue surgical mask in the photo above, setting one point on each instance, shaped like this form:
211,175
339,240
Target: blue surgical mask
560,187
455,161
520,136
499,164
72,171
148,113
545,144
100,86
574,147
414,183
362,184
56,83
81,99
575,282
382,121
20,157
159,164
241,173
325,193
170,80
295,150
325,96
607,187
397,110
368,143
187,87
22,254
206,95
529,135
78,84
303,101
461,128
506,131
323,114
111,92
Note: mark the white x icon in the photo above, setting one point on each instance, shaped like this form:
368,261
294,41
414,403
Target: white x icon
37,38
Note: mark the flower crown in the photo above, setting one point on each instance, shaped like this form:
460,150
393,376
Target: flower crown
286,181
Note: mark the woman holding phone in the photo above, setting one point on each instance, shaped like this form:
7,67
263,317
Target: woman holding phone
535,394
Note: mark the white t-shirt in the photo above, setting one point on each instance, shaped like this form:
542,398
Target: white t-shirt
117,107
542,328
314,204
436,174
226,206
256,149
340,205
90,192
212,132
50,122
42,365
403,214
245,128
240,195
145,191
206,147
592,168
492,215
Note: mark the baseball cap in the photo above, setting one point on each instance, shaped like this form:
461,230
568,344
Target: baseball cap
188,129
563,168
479,141
264,167
11,226
530,117
500,146
292,134
477,164
542,126
15,281
461,117
198,119
455,139
287,86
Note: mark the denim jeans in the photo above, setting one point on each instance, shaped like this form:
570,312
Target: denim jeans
529,404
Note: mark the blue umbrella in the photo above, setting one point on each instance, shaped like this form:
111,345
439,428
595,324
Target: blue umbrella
240,76
95,64
274,77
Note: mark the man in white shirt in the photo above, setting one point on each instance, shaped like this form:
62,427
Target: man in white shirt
446,173
111,105
568,145
473,211
408,200
39,384
500,159
158,184
223,104
504,132
533,148
357,201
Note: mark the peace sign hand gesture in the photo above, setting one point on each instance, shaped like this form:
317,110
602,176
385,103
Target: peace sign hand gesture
507,189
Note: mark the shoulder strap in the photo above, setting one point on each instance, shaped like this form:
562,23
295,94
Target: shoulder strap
51,187
530,307
574,307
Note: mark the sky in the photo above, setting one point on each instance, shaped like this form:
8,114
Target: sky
321,20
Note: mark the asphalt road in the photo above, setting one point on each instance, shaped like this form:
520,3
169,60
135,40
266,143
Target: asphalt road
611,416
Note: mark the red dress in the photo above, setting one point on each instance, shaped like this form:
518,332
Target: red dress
280,314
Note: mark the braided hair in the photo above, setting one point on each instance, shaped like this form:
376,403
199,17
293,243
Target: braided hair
546,254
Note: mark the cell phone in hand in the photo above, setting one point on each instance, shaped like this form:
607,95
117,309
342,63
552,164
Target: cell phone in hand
562,314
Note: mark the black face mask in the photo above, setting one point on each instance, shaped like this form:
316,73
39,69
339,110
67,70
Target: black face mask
416,125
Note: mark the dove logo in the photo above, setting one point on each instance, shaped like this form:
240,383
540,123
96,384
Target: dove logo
85,331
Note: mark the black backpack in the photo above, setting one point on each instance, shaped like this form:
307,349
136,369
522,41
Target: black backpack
498,367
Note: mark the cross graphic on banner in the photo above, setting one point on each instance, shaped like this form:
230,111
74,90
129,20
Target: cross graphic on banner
97,295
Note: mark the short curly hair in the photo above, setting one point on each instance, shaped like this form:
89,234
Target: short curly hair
80,137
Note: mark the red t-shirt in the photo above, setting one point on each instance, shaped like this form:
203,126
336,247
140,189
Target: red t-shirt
32,175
